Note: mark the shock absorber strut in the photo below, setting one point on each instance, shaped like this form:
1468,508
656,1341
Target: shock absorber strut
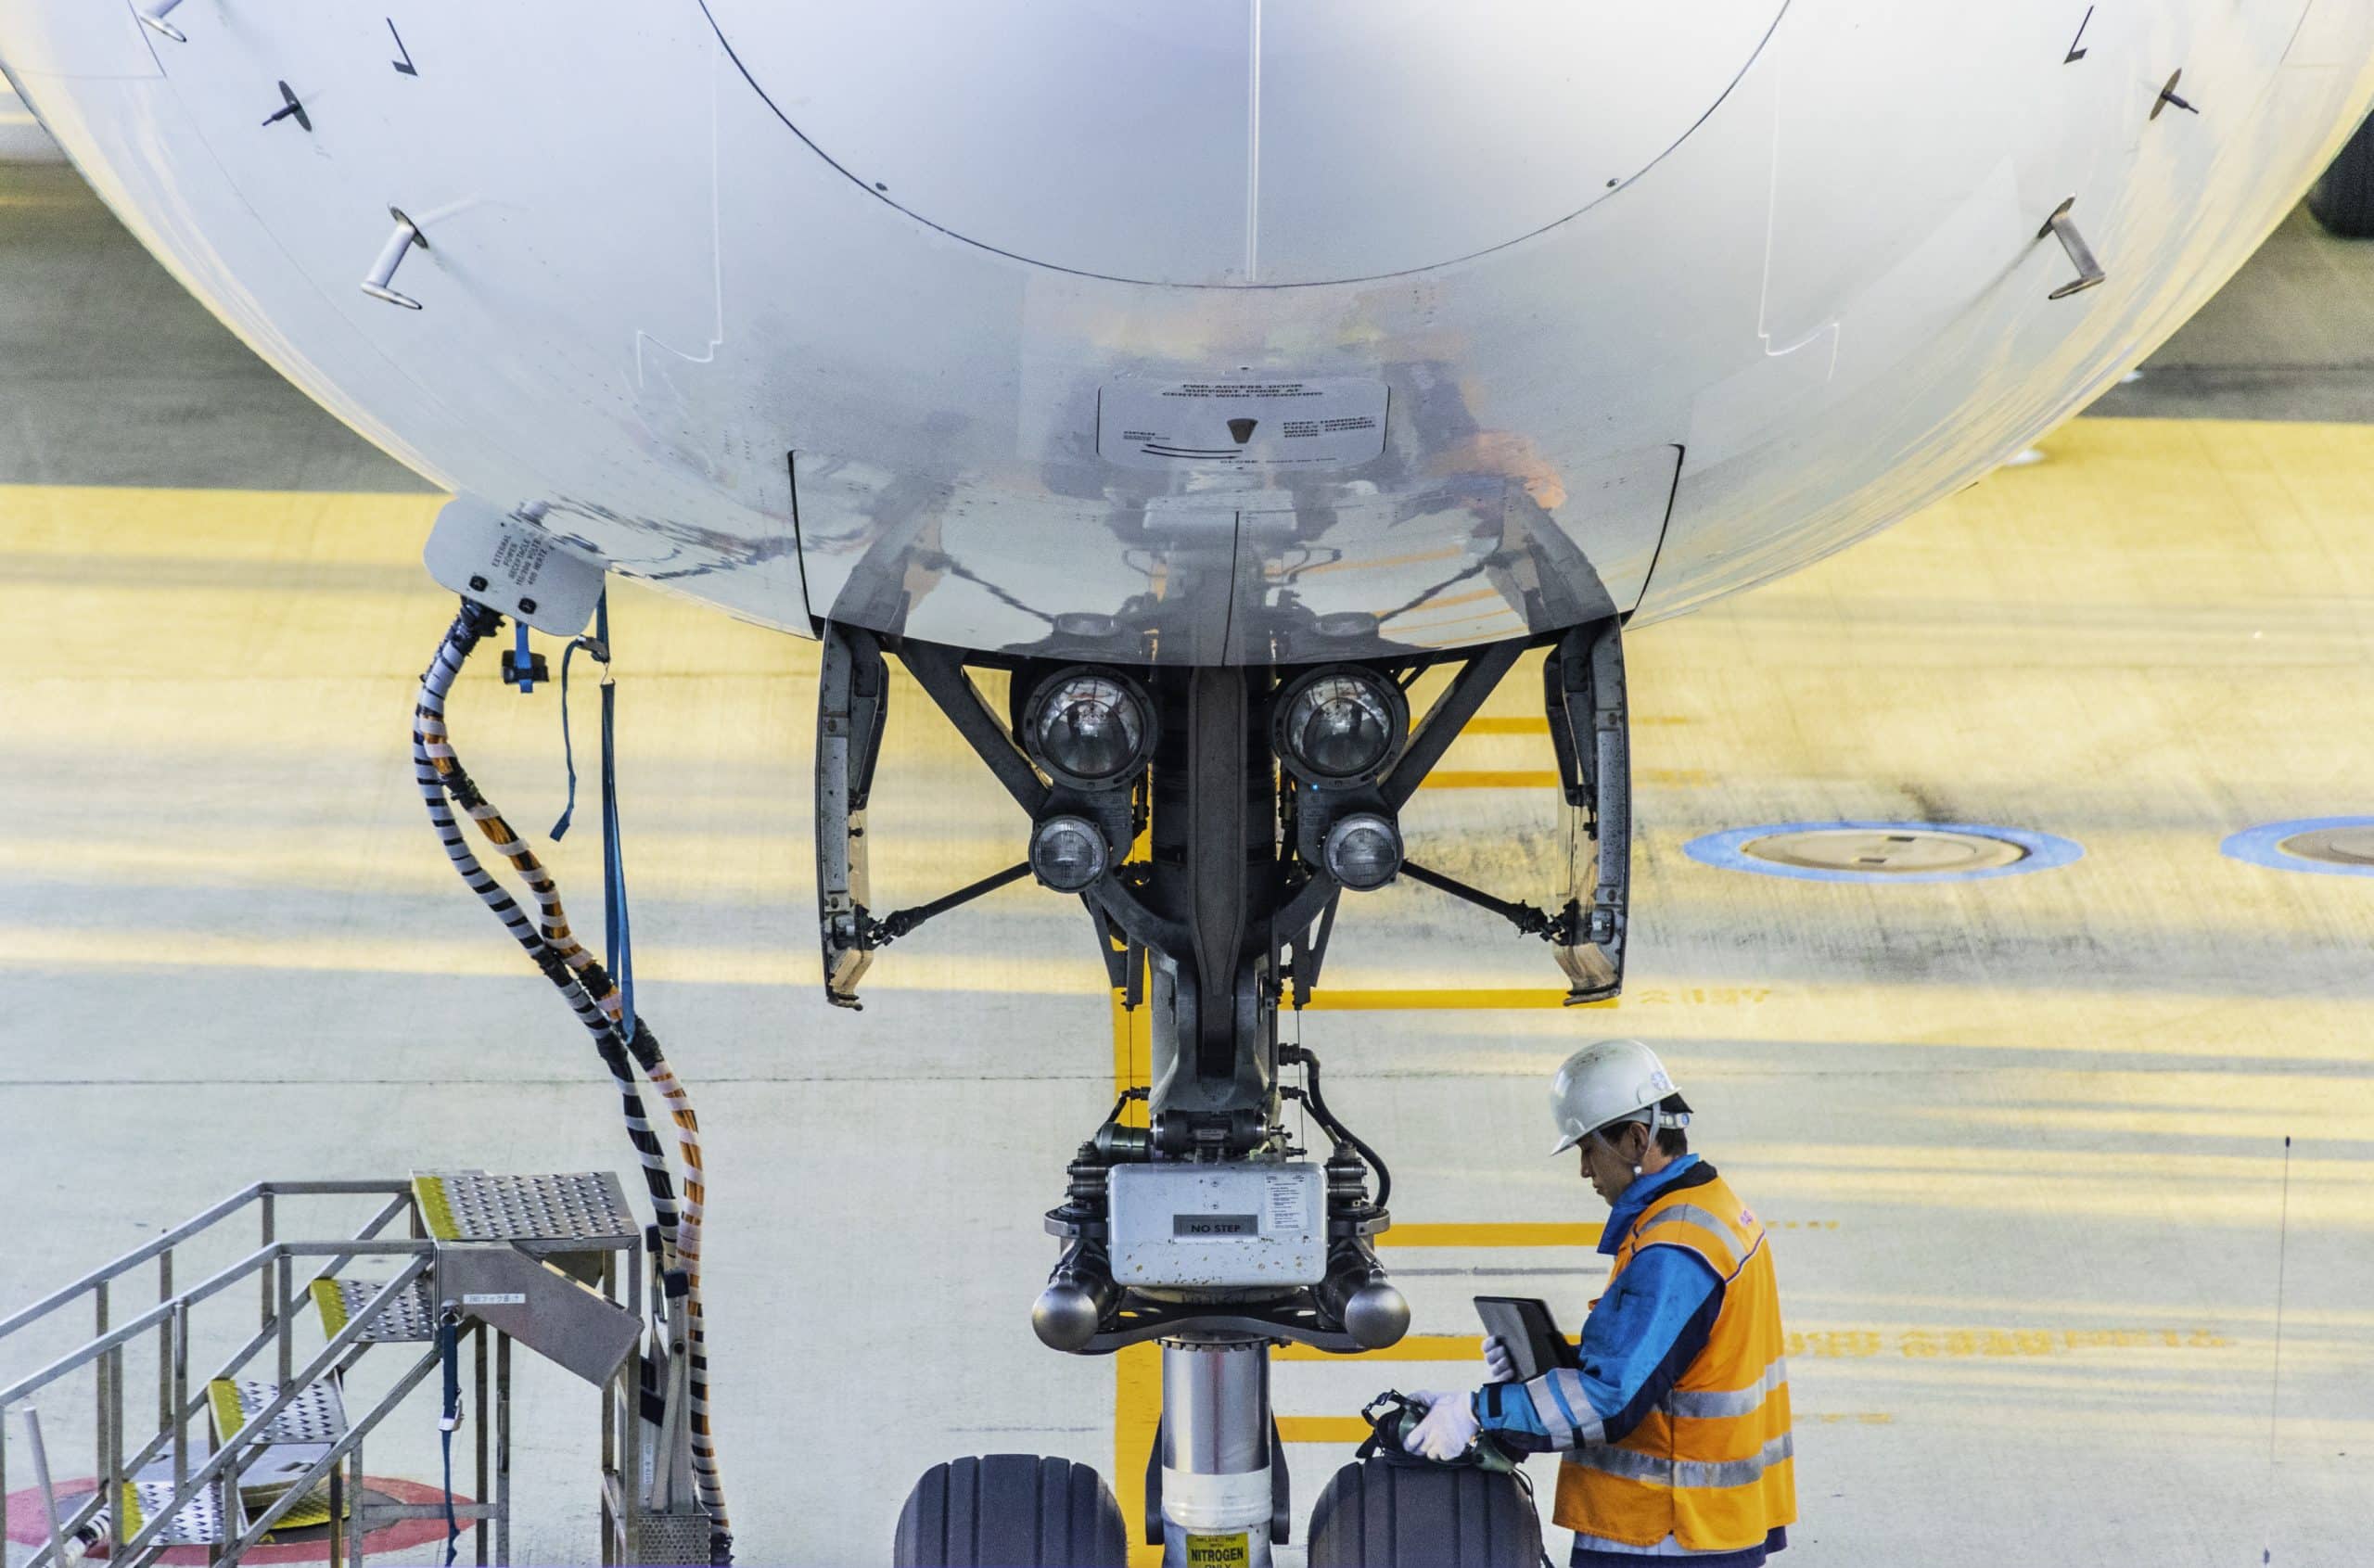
1217,1489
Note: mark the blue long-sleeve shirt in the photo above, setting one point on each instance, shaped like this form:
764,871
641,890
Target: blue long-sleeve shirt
1642,1335
1640,1338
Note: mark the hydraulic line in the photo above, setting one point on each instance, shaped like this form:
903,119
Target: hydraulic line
1308,1061
594,997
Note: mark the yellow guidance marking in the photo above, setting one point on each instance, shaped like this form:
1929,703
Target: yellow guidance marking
1137,1371
1951,1344
1529,1234
1413,1347
1488,724
1489,998
1490,778
1479,999
1512,1234
1542,778
1347,1430
1833,1345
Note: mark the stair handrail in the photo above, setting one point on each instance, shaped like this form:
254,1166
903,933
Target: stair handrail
202,1222
170,1317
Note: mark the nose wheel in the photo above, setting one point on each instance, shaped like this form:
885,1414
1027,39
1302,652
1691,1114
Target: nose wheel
1395,1512
1019,1511
1010,1510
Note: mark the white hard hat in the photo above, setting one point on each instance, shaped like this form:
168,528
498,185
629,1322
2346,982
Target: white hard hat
1610,1081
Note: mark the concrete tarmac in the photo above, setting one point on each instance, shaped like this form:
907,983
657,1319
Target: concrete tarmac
2070,1174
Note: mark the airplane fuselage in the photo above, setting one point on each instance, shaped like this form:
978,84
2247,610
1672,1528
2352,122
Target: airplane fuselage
1219,333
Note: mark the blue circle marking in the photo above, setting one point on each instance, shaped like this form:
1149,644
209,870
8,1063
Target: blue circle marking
1727,850
2263,846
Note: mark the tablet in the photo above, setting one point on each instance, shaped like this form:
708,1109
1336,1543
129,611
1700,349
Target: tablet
1524,1323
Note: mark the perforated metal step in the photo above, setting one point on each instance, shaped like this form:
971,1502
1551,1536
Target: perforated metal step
404,1321
473,1205
317,1415
203,1521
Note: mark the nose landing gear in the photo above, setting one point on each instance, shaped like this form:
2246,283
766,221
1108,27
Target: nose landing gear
1217,796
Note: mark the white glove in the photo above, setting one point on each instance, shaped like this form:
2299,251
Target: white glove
1449,1428
1498,1361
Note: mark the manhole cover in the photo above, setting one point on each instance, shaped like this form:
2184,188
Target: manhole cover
2352,845
2321,845
1885,852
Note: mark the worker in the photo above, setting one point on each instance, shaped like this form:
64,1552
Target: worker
1674,1425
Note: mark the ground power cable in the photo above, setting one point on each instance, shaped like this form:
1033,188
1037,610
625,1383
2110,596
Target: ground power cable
623,1041
440,774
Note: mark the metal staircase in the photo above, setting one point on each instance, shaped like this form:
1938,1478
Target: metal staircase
266,1443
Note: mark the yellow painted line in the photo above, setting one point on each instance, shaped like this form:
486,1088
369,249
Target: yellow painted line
1353,1430
1413,1347
1137,1370
2000,1342
1480,999
1511,1234
1490,778
1486,724
1542,778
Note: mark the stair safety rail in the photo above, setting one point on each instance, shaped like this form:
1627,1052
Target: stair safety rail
274,1265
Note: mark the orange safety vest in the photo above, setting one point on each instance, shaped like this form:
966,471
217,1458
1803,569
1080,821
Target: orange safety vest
1710,1465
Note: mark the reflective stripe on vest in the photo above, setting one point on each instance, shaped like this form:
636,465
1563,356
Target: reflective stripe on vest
1710,1404
1680,1221
1711,1464
1611,1460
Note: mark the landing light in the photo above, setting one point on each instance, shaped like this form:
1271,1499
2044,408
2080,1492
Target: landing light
1340,725
1363,851
1090,728
1068,853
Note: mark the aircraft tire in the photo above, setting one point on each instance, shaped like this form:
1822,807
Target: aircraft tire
1010,1510
2342,197
1392,1513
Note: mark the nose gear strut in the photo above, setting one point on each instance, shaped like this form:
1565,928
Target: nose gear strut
1206,1229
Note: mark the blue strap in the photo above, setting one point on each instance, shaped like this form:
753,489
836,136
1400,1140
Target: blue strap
599,647
449,1350
520,663
615,934
616,938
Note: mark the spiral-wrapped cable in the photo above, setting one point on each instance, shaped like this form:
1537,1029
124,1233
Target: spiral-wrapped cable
595,998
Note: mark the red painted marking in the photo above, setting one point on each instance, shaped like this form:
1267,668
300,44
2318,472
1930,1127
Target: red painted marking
28,1525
